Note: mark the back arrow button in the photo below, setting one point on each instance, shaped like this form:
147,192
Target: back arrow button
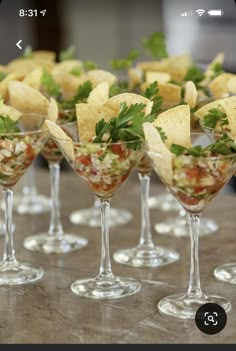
18,44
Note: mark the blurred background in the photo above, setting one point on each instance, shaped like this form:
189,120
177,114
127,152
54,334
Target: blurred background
106,29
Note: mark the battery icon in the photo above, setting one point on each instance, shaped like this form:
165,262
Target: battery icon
215,12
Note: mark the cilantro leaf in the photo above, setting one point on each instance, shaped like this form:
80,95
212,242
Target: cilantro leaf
123,63
118,88
155,45
28,52
76,71
152,93
81,95
194,74
217,69
67,54
89,65
7,125
214,116
49,85
127,126
2,76
162,134
177,149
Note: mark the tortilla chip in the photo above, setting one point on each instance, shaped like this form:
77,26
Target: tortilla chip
44,55
100,94
10,111
67,66
63,140
134,77
27,99
218,86
159,154
160,77
22,66
69,83
219,59
215,104
171,93
33,79
231,116
87,117
4,84
52,110
129,98
191,94
231,85
98,76
175,123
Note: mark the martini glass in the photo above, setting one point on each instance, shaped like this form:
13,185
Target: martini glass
91,217
194,181
145,254
227,271
18,150
29,201
55,240
103,167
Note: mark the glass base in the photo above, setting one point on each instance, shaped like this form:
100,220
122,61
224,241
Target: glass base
106,288
183,307
16,273
179,226
226,273
164,202
91,217
48,244
31,204
146,257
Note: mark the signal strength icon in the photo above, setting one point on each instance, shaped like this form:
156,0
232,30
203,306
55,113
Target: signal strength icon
187,13
200,12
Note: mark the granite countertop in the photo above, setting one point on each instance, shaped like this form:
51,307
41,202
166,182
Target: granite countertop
48,312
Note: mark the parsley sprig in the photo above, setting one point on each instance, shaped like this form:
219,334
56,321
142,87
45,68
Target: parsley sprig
225,145
67,54
155,45
49,85
152,93
118,64
127,126
7,125
213,117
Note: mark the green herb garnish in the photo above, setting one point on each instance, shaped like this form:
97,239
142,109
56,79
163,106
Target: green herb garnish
89,65
76,71
123,63
225,145
213,117
118,88
217,69
2,76
155,45
7,125
127,126
28,52
49,85
194,74
152,93
162,134
67,54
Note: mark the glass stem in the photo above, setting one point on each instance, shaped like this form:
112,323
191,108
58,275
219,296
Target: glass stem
105,268
55,228
29,187
194,289
96,203
9,252
146,236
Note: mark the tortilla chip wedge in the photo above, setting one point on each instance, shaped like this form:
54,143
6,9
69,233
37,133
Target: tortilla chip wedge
190,96
129,98
62,139
88,115
100,94
215,104
218,86
159,154
27,99
10,111
175,123
231,116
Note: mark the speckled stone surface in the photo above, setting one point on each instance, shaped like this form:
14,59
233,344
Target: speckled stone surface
48,312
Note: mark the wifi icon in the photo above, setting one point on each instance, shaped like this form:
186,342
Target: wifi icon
200,12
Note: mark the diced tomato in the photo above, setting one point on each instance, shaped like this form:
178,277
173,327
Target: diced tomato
118,149
199,189
124,177
85,160
193,172
188,200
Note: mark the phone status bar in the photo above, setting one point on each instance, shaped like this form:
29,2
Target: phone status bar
202,12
